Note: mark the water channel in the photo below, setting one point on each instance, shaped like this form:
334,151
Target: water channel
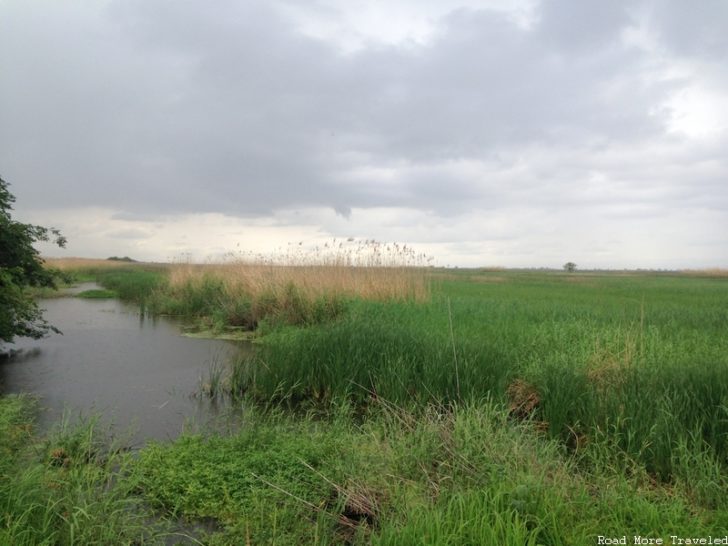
137,373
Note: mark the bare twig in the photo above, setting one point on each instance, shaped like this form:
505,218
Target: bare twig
343,520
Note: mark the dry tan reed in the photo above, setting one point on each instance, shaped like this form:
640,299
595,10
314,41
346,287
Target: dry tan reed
65,264
710,272
365,269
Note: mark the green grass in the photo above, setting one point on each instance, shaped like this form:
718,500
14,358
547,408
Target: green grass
128,282
132,283
97,294
512,408
68,488
465,475
641,361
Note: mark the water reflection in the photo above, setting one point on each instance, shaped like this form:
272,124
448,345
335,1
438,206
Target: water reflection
136,371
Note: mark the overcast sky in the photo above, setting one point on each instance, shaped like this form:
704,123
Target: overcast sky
483,133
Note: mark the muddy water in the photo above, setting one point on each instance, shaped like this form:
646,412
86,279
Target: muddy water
137,373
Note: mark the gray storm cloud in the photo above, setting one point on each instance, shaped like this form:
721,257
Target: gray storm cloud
161,107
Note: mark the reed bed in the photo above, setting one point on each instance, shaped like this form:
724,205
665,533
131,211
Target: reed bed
709,272
640,364
296,287
367,269
241,279
80,264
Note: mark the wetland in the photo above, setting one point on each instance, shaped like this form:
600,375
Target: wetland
381,405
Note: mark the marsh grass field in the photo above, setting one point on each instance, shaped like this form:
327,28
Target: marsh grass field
390,403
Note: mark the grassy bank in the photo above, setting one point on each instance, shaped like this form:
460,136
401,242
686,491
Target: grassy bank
128,281
463,475
467,474
71,487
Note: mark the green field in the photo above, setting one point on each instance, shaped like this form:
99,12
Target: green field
509,407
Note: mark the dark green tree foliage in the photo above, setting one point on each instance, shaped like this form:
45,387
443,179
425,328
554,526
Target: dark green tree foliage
21,267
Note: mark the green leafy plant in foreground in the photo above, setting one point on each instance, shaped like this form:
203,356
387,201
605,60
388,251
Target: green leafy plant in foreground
67,489
463,475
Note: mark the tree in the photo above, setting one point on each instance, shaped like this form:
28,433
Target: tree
570,267
21,267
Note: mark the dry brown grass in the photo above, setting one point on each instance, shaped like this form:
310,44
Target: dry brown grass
366,269
523,399
255,280
710,272
66,264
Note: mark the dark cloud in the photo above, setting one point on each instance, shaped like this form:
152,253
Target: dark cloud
695,29
577,28
163,107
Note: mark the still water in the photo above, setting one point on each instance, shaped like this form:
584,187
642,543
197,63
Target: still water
139,374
